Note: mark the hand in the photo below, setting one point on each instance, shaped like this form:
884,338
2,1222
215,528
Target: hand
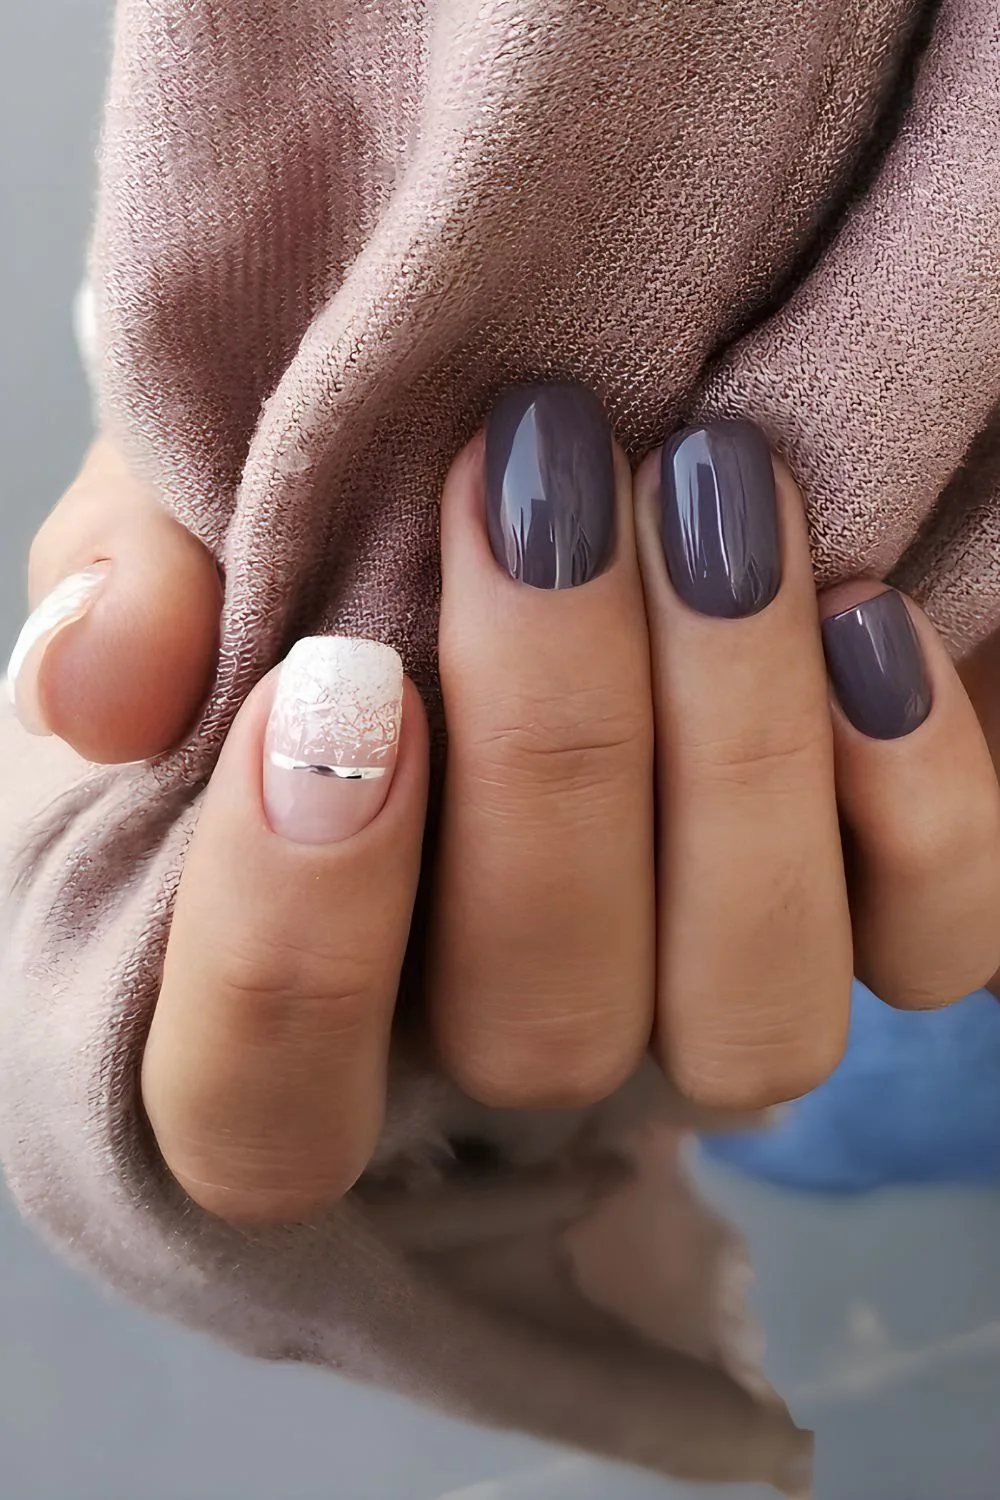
548,914
265,1071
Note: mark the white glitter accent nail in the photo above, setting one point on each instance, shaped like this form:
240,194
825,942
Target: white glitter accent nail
338,703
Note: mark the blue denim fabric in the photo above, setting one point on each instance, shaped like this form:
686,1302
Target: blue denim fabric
916,1100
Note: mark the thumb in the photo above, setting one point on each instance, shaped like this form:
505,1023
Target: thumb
119,652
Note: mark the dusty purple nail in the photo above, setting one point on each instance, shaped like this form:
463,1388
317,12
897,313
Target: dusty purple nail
550,485
876,666
720,519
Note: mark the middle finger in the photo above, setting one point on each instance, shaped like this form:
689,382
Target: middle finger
542,966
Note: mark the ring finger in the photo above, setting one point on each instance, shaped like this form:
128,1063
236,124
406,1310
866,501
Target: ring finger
754,927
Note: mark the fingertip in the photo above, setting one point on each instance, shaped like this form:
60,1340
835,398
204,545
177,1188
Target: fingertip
885,662
496,464
124,681
240,778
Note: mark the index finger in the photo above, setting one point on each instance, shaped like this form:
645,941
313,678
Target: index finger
264,1074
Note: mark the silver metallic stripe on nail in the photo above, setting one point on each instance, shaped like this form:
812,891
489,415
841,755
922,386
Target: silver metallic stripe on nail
341,773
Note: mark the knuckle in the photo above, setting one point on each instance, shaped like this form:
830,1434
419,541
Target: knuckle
906,994
286,993
756,1065
525,1071
250,1188
575,1087
576,739
935,987
751,1079
780,751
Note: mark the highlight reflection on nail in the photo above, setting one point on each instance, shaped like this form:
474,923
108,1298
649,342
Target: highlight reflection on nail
340,773
67,603
332,737
550,485
875,662
720,519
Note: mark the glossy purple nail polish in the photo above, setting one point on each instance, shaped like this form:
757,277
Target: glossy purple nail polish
720,519
550,485
875,663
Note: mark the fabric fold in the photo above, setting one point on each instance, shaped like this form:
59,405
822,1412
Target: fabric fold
881,371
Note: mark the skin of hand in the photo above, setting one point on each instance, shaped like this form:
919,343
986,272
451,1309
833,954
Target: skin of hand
685,799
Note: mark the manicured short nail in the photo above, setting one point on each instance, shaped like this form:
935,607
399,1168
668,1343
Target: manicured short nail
875,663
330,746
68,602
550,485
720,519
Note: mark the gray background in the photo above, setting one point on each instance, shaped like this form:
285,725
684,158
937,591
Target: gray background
883,1315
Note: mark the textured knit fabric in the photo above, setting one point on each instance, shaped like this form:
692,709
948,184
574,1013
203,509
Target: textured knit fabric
329,231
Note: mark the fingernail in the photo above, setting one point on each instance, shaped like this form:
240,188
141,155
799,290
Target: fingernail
330,745
877,668
68,602
550,485
720,519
